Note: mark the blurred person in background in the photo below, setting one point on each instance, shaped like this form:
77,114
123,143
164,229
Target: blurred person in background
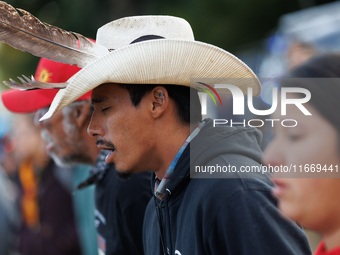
48,224
298,53
9,195
312,202
9,215
82,202
120,204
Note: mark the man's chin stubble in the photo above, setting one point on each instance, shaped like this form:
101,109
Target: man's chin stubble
121,175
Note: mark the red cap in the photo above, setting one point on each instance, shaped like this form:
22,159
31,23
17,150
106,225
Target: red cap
32,100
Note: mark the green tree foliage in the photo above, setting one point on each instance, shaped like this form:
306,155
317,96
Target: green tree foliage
229,24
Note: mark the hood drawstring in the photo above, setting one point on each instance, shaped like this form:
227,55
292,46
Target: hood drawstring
165,237
167,216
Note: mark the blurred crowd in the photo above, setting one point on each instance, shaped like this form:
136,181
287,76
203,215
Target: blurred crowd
39,214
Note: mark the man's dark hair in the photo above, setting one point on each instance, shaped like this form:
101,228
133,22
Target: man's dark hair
185,99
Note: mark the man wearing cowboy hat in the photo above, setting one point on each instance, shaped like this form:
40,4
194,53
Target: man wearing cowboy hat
142,99
120,204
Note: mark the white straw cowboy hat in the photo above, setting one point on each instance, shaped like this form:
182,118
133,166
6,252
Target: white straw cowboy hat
171,56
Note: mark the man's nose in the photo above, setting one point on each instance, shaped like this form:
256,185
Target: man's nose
94,129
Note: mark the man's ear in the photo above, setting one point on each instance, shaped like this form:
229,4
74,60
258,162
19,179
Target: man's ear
160,101
82,114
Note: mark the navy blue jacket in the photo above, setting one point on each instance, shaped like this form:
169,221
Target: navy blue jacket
230,215
120,207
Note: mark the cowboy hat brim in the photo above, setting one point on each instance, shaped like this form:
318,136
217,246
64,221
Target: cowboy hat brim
162,61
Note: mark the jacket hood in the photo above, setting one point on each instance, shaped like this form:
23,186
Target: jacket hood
212,142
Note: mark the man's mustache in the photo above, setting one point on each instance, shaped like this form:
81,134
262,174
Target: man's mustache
105,143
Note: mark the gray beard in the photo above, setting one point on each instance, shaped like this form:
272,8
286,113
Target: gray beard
70,160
